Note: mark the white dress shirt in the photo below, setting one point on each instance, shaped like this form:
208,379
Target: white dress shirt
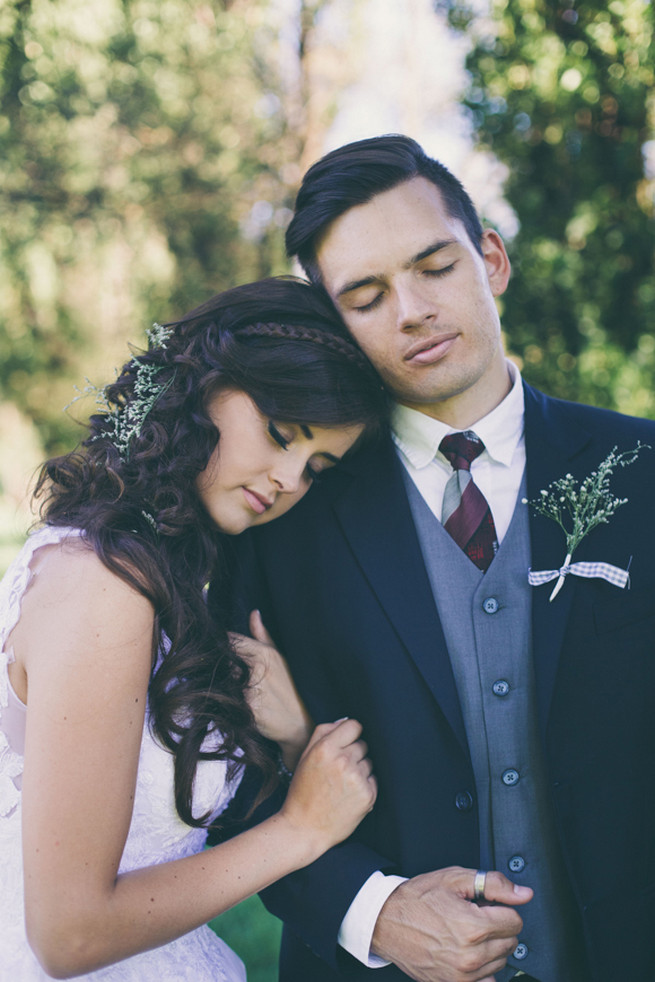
498,473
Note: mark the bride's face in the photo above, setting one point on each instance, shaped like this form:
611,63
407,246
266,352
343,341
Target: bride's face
261,467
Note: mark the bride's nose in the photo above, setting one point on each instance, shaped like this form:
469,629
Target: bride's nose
287,473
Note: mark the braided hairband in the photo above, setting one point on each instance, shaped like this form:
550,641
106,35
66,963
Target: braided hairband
295,332
124,423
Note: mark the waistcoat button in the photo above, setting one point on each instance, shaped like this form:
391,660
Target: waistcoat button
490,605
500,687
517,864
464,801
510,777
521,951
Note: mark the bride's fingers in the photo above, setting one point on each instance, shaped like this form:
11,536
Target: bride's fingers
258,630
244,646
250,652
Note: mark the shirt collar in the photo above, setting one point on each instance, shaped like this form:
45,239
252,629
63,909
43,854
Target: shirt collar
418,436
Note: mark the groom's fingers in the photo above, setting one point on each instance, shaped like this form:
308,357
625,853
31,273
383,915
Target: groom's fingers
497,889
430,929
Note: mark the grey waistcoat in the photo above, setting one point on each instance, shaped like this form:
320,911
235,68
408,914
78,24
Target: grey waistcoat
486,623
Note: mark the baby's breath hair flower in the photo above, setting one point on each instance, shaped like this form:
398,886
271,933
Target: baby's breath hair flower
125,421
579,508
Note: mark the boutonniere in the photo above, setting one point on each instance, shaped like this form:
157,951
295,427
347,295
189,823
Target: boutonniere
578,509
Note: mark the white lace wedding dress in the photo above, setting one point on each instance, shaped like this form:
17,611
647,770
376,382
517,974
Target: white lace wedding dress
156,834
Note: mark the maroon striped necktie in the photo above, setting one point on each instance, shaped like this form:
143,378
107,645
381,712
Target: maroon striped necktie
466,515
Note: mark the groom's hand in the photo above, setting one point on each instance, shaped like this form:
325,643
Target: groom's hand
430,928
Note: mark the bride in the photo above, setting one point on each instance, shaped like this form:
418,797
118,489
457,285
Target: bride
125,711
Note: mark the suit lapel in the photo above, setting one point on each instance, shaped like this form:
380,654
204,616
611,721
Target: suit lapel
375,517
553,441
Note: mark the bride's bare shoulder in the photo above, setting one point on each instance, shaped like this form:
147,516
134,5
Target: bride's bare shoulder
68,573
75,606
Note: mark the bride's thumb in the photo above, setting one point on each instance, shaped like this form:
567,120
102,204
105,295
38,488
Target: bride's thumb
257,628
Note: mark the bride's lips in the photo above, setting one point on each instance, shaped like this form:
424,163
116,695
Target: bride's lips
257,502
430,349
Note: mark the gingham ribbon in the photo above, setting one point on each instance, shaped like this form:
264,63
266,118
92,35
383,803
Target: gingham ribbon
614,575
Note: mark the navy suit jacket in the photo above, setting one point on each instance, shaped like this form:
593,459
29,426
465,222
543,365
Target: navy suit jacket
343,588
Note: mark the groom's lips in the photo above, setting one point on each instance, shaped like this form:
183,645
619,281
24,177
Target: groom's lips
430,350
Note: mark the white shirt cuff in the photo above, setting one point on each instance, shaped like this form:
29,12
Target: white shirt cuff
356,931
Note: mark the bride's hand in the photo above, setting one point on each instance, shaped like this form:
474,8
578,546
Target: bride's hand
278,709
333,787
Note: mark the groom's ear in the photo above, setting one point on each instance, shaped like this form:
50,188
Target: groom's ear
496,261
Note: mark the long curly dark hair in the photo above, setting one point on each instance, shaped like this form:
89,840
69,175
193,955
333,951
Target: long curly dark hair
138,507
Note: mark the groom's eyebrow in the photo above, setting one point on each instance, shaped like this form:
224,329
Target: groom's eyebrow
430,250
353,285
356,285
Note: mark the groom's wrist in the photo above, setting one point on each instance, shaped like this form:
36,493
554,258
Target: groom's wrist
358,926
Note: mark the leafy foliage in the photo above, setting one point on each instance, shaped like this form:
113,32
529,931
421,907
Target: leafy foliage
562,93
578,507
141,150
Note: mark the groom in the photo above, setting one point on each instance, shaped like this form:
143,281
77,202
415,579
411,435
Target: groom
511,736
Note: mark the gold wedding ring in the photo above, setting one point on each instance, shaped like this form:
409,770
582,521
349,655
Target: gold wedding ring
479,883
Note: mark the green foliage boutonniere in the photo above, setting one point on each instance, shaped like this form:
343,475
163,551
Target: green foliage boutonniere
579,508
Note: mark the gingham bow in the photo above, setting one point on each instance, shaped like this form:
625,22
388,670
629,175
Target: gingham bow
614,575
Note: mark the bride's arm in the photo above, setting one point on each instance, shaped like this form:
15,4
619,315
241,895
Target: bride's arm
84,642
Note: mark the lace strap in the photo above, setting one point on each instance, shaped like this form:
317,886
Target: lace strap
19,574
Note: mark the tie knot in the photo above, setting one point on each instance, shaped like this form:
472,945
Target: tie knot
461,448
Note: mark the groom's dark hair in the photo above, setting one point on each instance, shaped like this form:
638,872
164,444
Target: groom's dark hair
354,174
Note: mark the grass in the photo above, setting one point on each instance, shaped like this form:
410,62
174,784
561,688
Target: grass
255,936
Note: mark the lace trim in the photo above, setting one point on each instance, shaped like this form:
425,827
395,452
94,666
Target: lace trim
20,575
12,589
4,681
11,766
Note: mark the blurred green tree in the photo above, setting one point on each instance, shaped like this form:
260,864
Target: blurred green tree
149,152
562,93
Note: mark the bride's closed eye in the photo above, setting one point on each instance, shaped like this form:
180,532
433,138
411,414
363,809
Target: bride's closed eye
316,467
280,438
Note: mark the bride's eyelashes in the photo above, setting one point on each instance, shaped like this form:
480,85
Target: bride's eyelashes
279,438
314,471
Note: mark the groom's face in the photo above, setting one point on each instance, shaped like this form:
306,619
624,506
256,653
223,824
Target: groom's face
419,298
